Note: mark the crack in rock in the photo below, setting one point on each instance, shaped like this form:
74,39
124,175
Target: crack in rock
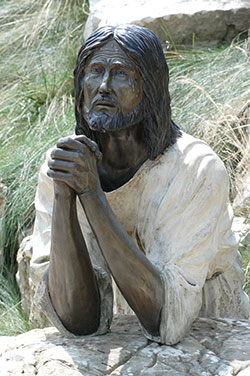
212,348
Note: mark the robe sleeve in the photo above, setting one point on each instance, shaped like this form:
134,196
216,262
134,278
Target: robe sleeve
189,235
41,254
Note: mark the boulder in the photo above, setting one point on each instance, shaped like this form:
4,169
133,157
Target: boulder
176,22
24,255
26,287
213,347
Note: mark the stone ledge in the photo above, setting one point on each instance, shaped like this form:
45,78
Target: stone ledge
214,347
182,22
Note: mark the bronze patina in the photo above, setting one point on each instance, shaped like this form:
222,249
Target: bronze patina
123,118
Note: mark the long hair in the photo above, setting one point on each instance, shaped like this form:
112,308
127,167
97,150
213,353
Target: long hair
143,48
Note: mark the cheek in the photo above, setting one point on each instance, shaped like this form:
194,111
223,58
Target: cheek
88,85
91,84
132,90
136,93
89,92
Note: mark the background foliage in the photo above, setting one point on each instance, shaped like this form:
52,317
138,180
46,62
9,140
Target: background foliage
39,40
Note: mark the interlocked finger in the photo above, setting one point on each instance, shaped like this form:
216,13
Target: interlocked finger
61,165
66,155
59,175
91,144
70,143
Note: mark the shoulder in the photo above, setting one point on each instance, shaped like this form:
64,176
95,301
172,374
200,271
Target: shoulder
191,149
195,156
185,168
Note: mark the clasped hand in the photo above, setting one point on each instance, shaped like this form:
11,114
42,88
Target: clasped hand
74,162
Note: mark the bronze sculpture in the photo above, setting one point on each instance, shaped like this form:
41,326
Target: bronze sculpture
124,126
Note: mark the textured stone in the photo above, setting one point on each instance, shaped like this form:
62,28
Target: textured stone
213,348
241,227
23,259
27,288
180,22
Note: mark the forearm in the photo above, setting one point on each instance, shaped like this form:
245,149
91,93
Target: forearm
72,284
136,277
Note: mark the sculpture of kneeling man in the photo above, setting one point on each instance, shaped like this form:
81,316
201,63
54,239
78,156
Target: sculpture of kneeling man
135,199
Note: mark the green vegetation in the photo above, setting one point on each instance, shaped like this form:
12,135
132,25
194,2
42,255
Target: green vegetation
208,89
12,319
39,40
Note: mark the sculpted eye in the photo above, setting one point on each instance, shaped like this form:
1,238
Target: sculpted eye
96,69
121,73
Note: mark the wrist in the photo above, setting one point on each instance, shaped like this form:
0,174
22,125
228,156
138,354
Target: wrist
63,191
91,194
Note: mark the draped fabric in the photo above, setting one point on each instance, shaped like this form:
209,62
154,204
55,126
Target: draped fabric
176,210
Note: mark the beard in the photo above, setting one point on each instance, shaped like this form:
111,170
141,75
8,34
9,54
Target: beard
105,122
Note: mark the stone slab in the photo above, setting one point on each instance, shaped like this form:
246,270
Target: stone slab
212,348
199,22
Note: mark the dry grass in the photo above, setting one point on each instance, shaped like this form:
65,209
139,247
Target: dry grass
208,91
210,99
39,40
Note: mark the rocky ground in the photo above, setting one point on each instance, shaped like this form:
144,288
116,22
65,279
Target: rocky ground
213,348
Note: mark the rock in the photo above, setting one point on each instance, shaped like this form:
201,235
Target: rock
242,230
178,22
213,348
27,289
23,259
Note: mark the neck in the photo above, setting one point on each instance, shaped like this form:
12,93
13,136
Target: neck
124,152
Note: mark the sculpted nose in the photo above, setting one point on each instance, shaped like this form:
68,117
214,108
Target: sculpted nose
105,84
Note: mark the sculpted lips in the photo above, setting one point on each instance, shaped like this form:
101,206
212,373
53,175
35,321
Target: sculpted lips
105,102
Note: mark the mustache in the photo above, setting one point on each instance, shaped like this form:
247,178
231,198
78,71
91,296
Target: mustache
104,122
104,99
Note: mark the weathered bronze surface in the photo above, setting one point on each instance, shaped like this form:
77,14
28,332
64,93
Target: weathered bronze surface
118,120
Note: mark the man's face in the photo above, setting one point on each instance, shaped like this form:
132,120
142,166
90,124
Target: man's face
112,90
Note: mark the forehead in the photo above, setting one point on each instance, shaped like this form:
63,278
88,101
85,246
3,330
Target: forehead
110,52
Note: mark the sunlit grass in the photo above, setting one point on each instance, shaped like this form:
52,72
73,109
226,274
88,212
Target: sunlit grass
208,90
12,319
39,40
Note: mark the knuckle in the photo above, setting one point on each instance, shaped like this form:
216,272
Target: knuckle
79,155
50,172
60,141
99,154
54,153
94,143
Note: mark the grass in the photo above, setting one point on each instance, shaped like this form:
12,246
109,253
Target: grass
12,319
39,40
208,89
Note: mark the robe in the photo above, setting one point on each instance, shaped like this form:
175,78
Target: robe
176,210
